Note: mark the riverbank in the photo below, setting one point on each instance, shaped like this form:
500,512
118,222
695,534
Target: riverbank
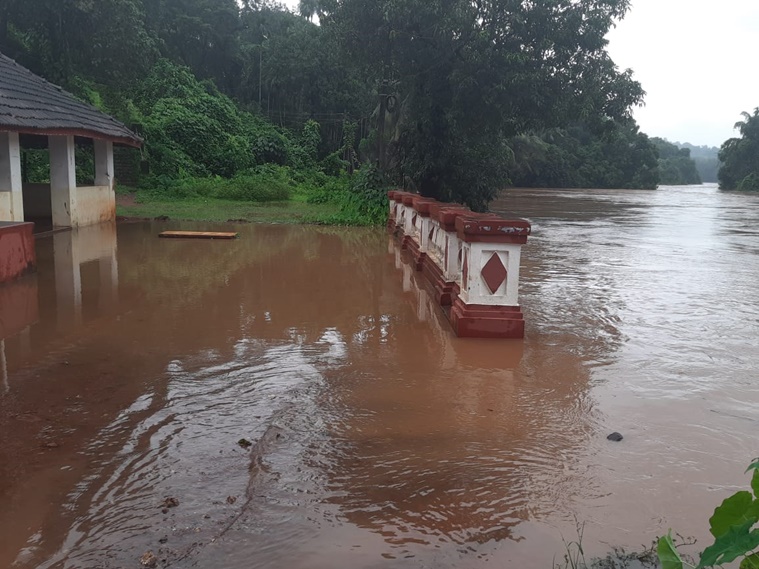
293,211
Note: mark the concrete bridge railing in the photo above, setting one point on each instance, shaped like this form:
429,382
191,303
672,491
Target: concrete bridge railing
470,259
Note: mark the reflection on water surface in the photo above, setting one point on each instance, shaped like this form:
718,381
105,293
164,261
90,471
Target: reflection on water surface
135,365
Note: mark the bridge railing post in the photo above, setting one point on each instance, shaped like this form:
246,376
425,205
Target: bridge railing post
488,299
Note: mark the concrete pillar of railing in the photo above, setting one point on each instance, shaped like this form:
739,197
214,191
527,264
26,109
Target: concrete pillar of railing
409,218
488,297
401,213
422,208
419,244
445,248
392,216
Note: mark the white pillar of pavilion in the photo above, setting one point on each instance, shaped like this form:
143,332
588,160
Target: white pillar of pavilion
11,198
62,179
104,163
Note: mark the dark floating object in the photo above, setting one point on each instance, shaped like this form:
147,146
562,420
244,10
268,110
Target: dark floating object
170,503
197,235
616,437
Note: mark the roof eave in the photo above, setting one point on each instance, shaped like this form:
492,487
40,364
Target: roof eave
134,141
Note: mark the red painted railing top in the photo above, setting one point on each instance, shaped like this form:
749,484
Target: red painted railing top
470,226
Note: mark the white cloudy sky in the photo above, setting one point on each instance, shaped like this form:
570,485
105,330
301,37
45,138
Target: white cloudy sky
698,61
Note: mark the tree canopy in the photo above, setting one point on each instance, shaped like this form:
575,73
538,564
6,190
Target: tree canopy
462,77
740,156
676,168
454,98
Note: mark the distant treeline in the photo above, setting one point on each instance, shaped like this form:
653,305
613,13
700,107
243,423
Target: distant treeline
706,159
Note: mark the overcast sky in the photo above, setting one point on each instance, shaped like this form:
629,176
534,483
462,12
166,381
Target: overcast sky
698,61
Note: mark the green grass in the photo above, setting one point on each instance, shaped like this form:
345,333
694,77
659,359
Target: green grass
295,211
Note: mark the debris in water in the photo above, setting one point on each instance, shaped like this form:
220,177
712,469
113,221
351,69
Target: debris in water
231,499
245,443
198,235
148,559
616,437
169,503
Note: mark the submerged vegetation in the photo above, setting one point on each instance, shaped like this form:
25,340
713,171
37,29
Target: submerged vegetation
735,528
248,102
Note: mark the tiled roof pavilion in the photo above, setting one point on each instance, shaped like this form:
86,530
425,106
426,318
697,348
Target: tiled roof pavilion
31,105
32,110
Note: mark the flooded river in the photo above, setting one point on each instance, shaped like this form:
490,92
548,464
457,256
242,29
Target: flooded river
293,399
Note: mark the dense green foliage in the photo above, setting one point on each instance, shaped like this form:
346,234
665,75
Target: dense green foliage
740,156
676,168
734,528
617,157
460,78
453,98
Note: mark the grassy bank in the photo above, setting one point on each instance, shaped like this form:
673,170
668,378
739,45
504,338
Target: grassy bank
137,205
265,194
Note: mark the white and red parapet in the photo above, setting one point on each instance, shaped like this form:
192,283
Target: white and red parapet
471,260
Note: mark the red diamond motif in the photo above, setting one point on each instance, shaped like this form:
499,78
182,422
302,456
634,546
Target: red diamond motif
413,221
494,273
432,233
465,271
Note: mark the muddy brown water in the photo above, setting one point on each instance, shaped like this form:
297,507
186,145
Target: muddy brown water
378,438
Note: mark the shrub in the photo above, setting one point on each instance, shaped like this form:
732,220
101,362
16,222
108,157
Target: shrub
333,191
262,184
749,184
333,164
270,146
365,200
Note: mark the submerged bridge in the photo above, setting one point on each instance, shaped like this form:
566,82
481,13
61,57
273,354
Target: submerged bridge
471,260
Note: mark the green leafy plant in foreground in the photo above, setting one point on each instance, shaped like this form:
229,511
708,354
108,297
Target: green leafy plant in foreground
733,527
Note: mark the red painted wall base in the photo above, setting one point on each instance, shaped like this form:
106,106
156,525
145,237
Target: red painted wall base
17,254
20,306
444,291
480,321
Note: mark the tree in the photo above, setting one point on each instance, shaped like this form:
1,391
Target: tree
740,156
467,75
706,159
110,44
676,168
619,156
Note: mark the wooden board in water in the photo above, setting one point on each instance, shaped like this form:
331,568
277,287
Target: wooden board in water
197,235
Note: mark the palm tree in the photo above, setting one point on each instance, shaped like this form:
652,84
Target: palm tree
740,156
749,123
308,9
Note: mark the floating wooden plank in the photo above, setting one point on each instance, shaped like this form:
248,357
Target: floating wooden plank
197,235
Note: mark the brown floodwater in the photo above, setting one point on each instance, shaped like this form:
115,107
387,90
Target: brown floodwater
132,367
